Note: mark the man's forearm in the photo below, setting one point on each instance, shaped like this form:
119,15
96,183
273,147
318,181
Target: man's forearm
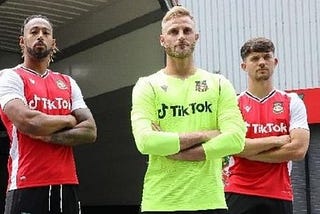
80,134
190,140
256,146
195,153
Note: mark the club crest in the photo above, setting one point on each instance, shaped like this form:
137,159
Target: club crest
277,107
61,84
201,86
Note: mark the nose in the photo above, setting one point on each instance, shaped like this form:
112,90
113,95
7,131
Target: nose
40,35
181,35
262,62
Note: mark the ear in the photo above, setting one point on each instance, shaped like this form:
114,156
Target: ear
54,45
276,61
161,39
21,41
243,66
197,36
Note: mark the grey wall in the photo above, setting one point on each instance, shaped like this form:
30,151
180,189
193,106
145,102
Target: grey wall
8,59
111,171
116,63
130,30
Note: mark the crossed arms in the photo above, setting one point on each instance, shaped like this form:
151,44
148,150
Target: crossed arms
277,149
76,128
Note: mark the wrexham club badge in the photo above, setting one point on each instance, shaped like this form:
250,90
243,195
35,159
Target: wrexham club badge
277,107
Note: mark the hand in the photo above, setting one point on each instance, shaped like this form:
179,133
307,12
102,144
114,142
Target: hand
72,120
211,134
175,156
282,140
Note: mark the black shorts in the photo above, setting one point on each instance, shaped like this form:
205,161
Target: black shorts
217,211
240,203
44,200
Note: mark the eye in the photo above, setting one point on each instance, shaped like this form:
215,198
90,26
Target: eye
173,31
267,57
33,32
187,31
255,58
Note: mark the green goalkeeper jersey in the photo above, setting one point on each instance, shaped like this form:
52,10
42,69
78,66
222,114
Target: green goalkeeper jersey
203,101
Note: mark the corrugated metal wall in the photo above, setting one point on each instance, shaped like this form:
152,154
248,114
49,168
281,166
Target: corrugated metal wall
293,25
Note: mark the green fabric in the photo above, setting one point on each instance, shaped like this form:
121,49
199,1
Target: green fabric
204,101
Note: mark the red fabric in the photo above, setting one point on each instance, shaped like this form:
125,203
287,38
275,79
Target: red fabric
268,117
32,162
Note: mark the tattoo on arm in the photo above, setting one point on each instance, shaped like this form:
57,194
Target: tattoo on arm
84,132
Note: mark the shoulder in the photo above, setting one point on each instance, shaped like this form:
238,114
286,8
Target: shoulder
7,70
154,77
294,99
8,74
215,77
293,96
242,94
56,74
203,72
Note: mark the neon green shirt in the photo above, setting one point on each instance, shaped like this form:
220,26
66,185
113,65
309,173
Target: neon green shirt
203,101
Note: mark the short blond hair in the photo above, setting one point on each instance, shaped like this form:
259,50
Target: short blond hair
176,11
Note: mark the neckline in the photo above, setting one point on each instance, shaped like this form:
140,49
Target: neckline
178,77
34,72
263,98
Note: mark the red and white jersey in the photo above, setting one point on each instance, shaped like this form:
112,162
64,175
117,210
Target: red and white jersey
32,162
276,114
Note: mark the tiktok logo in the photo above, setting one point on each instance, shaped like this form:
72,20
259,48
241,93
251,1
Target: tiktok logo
56,103
268,128
181,111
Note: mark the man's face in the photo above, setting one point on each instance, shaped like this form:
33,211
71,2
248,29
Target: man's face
260,65
37,39
179,37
